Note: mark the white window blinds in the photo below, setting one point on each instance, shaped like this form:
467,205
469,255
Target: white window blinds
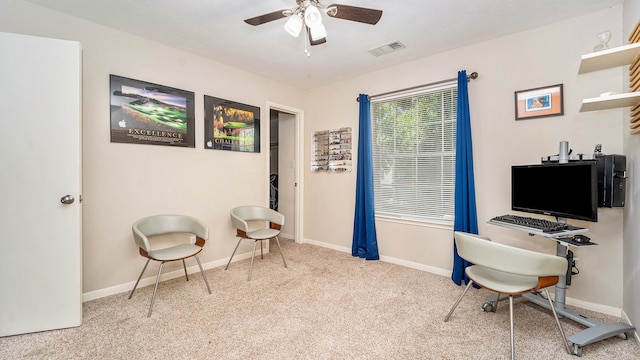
414,154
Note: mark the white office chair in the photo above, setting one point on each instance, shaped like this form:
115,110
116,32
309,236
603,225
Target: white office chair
241,215
147,227
509,270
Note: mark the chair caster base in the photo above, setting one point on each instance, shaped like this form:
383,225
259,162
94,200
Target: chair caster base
576,350
488,307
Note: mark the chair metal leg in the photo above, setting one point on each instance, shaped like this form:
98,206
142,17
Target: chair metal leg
495,303
455,305
202,272
281,254
139,277
253,254
261,252
185,270
555,315
513,352
153,297
234,252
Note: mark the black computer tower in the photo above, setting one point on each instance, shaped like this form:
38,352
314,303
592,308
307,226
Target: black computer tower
612,180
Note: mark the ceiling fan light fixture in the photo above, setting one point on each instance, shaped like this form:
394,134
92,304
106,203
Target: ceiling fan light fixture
294,25
312,16
318,32
307,15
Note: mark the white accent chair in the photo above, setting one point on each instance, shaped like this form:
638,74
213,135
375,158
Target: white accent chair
240,218
510,271
144,230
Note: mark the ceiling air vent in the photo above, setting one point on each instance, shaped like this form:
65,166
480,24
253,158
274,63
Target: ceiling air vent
387,48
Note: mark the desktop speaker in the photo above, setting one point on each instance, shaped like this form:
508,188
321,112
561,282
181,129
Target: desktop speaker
612,180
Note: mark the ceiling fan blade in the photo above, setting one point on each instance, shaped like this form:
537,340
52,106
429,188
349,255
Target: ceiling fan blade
259,20
355,13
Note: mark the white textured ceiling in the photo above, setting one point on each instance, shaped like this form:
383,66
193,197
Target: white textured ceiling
215,29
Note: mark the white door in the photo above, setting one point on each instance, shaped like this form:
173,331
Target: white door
40,163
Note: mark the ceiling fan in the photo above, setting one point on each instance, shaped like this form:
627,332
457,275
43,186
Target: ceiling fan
308,15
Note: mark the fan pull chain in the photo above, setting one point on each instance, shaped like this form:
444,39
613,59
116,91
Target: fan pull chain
306,43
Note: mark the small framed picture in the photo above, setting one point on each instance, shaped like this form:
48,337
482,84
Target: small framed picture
539,102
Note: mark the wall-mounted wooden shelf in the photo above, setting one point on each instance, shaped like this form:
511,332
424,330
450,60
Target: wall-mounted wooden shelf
610,102
605,59
618,56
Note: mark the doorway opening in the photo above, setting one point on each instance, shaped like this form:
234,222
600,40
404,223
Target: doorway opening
285,167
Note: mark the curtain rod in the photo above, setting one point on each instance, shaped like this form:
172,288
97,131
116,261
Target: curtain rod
473,75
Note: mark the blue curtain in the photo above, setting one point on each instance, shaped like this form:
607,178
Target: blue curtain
365,243
465,195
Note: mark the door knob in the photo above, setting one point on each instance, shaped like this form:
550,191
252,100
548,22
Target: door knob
67,199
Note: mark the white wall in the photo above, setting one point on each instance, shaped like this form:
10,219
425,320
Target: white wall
124,182
631,248
540,57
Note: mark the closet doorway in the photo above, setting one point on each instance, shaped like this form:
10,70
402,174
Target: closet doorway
285,167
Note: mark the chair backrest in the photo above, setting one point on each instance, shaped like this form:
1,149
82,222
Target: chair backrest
166,224
484,252
241,214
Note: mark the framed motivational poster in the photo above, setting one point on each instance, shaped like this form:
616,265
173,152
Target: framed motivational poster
147,113
230,125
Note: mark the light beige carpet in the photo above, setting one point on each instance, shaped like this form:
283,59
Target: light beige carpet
326,305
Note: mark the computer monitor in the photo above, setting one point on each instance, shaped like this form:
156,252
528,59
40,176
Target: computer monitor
562,190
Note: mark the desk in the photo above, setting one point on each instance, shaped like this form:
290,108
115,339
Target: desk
596,330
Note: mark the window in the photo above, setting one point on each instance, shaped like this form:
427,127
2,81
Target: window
414,153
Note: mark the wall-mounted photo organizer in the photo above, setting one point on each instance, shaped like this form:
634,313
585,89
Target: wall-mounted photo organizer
331,150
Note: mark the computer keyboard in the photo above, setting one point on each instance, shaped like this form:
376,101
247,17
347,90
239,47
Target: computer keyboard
543,225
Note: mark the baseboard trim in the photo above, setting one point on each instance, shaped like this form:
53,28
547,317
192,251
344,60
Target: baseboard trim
286,236
604,309
117,289
126,287
636,334
389,259
328,246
